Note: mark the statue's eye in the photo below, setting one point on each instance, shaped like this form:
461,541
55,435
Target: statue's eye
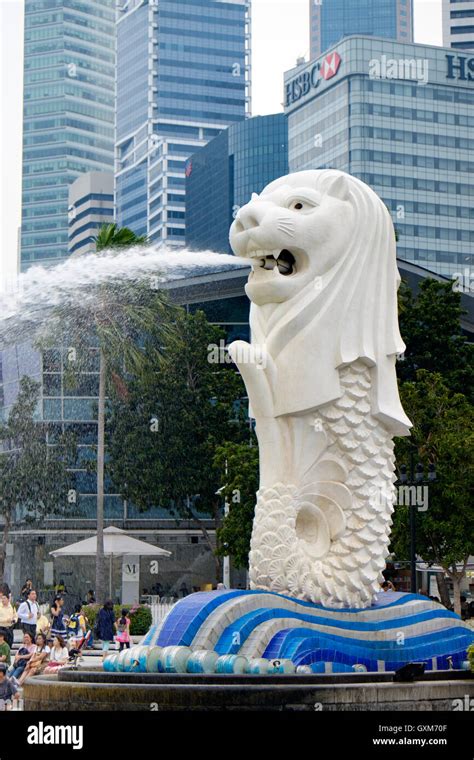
297,204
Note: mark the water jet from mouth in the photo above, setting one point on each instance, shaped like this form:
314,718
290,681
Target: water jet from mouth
25,307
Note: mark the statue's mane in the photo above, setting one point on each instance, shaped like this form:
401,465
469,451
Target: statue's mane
352,315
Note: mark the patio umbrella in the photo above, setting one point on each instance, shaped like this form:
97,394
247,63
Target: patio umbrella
117,543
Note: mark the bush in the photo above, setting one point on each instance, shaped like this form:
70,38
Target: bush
91,611
140,617
140,620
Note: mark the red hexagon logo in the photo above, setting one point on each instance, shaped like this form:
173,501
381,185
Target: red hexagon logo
330,65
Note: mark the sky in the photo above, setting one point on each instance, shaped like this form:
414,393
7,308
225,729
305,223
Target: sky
280,34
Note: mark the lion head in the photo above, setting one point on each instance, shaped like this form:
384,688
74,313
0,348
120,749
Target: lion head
294,232
323,288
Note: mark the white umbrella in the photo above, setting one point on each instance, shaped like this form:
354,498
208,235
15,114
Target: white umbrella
117,543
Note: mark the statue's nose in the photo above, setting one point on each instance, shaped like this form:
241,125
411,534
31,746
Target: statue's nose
251,215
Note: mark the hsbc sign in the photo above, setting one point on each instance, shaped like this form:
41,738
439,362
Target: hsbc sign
310,79
460,67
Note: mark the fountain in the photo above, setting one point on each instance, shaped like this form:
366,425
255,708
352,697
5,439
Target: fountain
27,303
320,375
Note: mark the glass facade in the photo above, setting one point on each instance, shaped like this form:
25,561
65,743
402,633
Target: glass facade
458,24
331,20
68,117
223,175
400,117
183,75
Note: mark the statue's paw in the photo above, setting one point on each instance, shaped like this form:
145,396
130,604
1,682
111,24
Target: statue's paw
243,353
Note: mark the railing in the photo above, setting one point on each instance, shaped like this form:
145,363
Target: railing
160,607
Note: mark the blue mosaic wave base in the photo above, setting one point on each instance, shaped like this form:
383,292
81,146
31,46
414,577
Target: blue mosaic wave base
397,629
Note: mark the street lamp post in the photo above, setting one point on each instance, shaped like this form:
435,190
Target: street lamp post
416,477
226,563
226,558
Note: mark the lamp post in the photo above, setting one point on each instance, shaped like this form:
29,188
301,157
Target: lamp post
226,558
226,562
415,477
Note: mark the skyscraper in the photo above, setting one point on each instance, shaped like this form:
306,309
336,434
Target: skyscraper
223,174
398,116
331,20
183,75
458,24
91,204
68,118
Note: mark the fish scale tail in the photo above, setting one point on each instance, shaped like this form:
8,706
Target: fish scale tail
304,544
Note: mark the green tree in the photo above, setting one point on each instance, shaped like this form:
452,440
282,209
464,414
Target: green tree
240,460
164,433
443,435
34,476
115,320
430,324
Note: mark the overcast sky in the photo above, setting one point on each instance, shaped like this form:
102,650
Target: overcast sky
279,36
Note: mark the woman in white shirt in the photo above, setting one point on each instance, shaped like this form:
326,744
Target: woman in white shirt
58,657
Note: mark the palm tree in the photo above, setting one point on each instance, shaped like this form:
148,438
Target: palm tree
109,236
118,318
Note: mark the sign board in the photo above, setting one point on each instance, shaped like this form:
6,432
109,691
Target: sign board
130,570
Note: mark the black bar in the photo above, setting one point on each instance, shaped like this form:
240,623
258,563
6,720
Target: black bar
371,734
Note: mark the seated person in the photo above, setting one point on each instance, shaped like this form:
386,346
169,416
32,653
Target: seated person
23,655
38,660
5,656
58,656
8,688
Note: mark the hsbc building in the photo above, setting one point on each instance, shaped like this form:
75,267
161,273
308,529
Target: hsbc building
400,116
310,79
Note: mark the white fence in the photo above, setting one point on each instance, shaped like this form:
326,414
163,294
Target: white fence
160,608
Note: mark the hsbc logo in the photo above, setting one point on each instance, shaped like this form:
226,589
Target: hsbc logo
310,79
330,65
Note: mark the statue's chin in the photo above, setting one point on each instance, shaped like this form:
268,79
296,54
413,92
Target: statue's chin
262,293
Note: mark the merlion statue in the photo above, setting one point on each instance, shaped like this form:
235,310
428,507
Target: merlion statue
320,375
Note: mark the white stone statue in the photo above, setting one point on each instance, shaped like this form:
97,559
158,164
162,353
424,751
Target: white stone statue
320,375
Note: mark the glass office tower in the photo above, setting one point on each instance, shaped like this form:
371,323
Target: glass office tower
183,75
222,176
400,117
68,119
458,24
331,20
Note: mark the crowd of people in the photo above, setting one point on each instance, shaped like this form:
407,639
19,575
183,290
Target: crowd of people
51,640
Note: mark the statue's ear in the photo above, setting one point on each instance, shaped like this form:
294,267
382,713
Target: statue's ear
338,187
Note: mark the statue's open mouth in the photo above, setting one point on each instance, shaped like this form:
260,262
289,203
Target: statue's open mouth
284,260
